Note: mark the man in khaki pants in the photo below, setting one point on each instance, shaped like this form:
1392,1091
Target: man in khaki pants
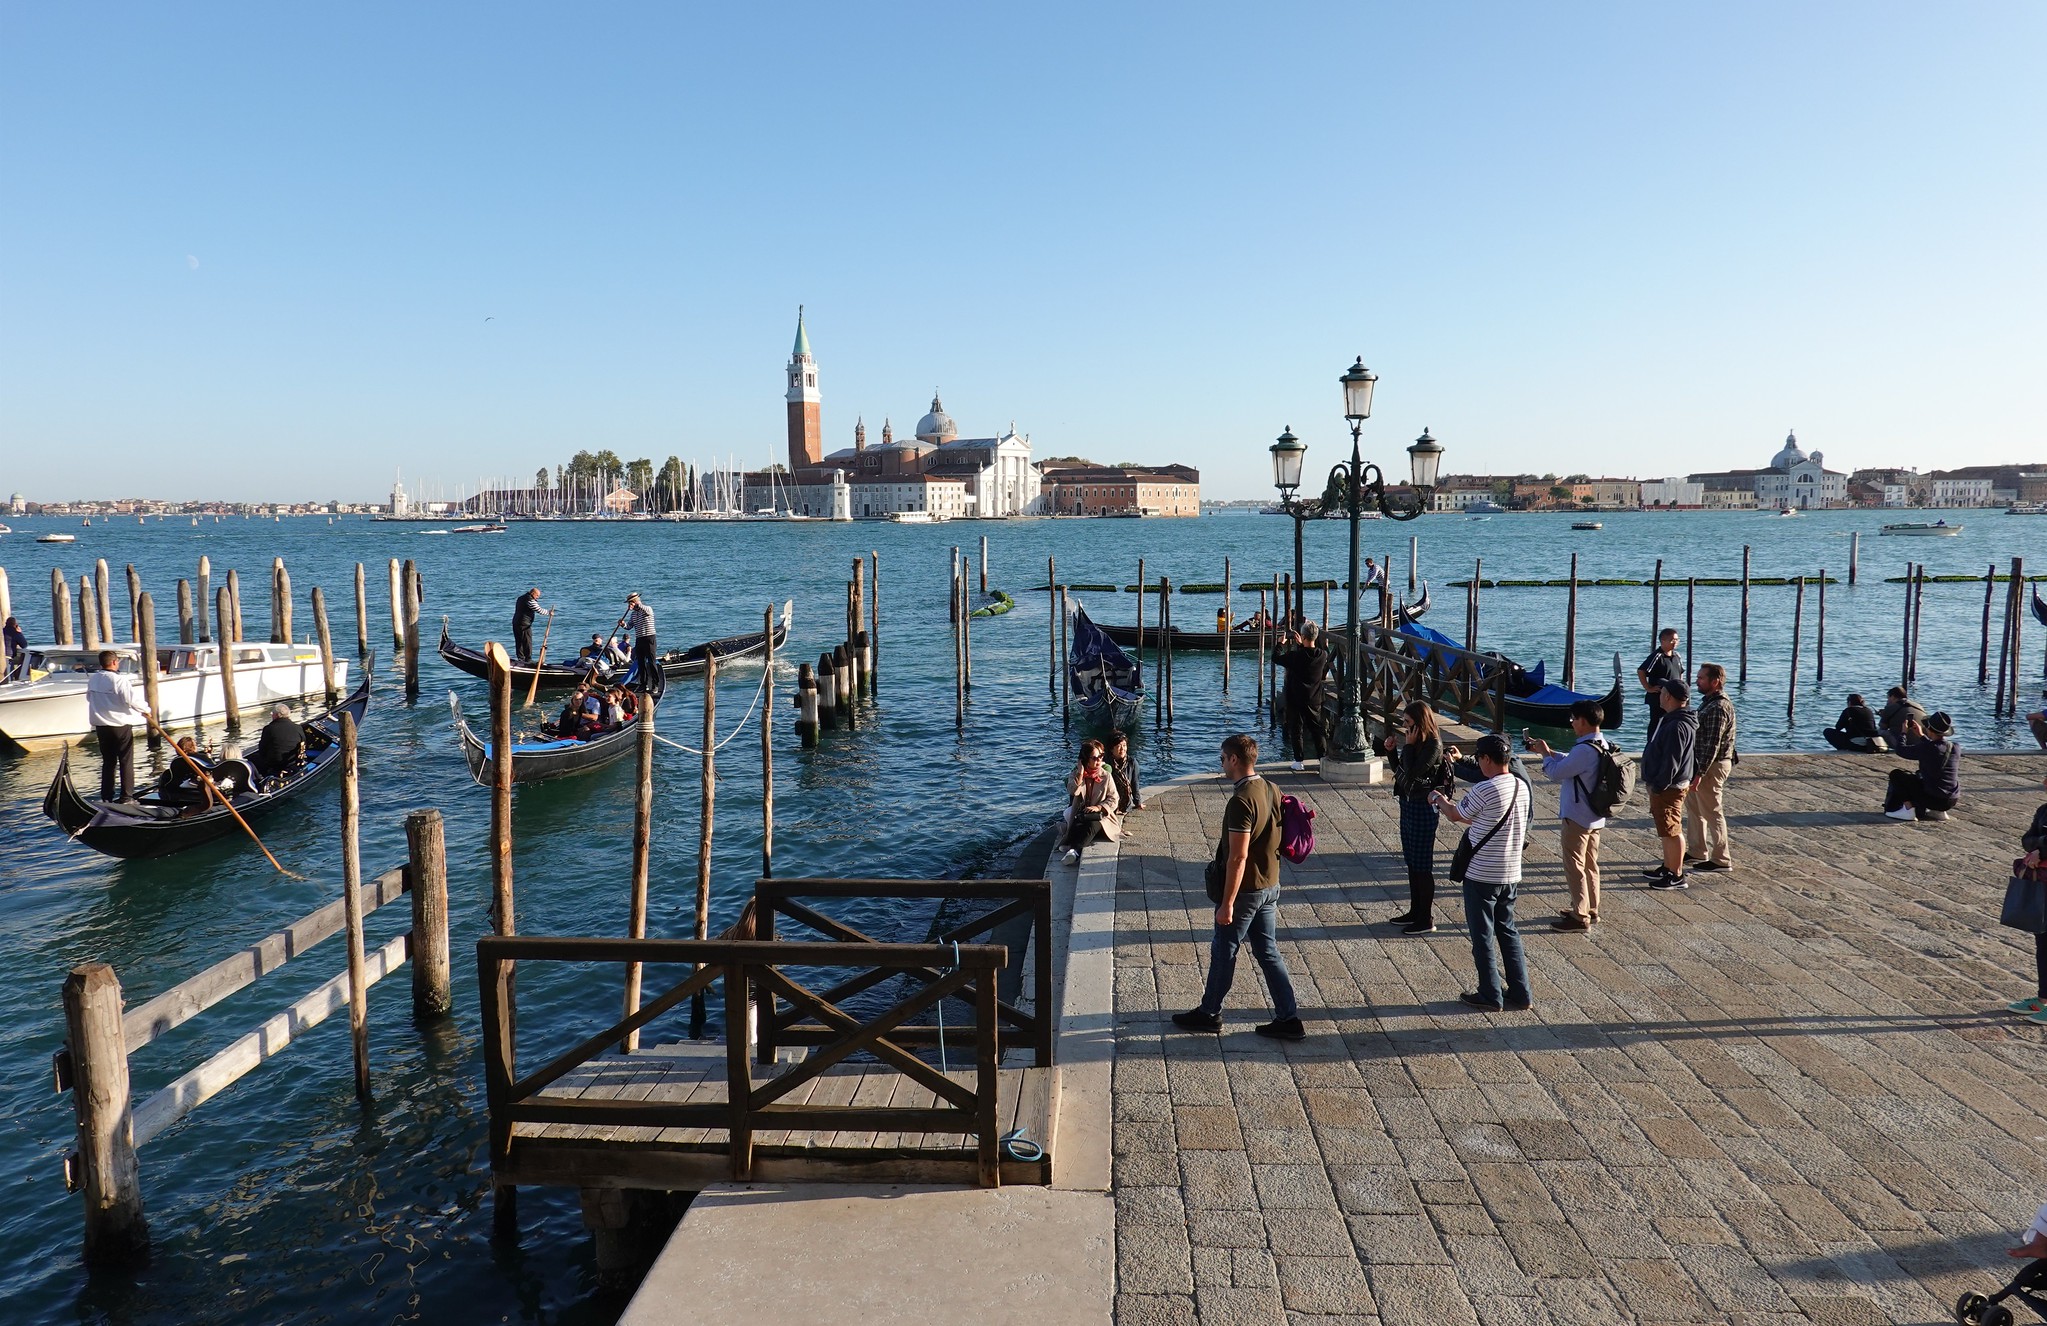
1712,760
1575,771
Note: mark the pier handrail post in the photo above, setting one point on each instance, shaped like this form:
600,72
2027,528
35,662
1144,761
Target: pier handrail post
987,1054
426,864
116,1231
351,905
738,1069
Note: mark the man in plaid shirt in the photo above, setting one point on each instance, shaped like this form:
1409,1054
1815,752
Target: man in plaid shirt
1713,759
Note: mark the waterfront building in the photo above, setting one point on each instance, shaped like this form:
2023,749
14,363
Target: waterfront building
401,505
1461,498
1676,493
1792,478
17,505
806,406
937,496
1987,485
1083,488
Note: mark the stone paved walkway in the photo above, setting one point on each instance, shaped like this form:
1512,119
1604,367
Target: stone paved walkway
1787,1095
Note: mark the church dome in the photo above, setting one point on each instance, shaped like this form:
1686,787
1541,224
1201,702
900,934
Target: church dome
936,427
1789,456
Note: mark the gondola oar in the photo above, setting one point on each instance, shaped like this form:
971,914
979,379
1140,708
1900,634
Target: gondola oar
533,687
227,805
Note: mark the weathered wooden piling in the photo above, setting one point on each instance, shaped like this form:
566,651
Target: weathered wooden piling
234,599
326,646
2003,645
643,845
1691,619
1261,649
1854,554
202,598
842,683
362,617
1819,649
966,630
410,635
1656,608
397,611
984,566
2018,623
187,634
280,580
1743,677
874,623
134,605
1052,615
827,686
1477,585
103,586
6,597
768,748
1325,608
1139,656
1065,677
1228,625
1919,613
706,814
1797,630
1414,559
351,907
116,1232
426,859
1571,630
89,613
1166,642
1983,651
502,917
806,706
145,640
60,609
223,610
959,643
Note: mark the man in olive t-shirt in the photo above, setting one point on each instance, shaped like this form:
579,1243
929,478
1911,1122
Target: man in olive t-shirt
1246,875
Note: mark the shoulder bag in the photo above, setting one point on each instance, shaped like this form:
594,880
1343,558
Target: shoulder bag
2025,899
1460,860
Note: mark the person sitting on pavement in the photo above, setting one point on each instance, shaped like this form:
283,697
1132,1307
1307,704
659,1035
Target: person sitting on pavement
1891,720
1091,799
1122,767
1667,768
1855,730
281,747
1931,791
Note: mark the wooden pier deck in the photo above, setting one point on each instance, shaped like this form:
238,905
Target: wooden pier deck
626,1155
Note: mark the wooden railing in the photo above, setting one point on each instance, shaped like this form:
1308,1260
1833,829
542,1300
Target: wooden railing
1011,899
1398,669
749,1107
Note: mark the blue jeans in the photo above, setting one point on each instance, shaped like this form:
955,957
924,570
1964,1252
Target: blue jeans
1489,908
1256,917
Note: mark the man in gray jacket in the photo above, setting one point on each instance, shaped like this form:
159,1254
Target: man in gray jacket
1667,763
1575,771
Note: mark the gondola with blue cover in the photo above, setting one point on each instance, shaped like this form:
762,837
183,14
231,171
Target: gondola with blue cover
1531,700
1105,683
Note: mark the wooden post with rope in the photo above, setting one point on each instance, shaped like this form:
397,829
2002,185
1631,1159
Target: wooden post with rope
351,905
643,839
704,827
223,608
533,686
326,645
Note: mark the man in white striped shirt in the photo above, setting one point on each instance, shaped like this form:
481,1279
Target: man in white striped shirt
641,618
1495,813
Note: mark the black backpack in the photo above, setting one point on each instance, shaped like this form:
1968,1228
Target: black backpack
1613,781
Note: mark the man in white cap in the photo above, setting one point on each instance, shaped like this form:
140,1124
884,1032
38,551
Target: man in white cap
641,618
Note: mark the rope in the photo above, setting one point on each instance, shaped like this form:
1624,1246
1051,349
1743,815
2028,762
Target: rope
767,675
1017,1146
943,1067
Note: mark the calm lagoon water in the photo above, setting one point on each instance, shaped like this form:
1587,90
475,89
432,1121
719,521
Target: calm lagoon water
285,1200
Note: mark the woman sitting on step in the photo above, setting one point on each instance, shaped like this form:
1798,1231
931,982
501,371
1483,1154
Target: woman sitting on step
1090,804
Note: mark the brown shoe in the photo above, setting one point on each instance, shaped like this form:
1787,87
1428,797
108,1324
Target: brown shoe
1570,924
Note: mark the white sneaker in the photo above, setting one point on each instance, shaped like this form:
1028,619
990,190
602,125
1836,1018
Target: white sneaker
1072,857
1298,766
1901,813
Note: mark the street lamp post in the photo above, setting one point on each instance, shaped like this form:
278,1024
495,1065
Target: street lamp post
1288,453
1359,479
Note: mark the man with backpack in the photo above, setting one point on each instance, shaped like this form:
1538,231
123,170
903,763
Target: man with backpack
1591,779
1668,767
1243,883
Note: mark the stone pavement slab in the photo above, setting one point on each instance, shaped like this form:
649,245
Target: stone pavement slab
1789,1094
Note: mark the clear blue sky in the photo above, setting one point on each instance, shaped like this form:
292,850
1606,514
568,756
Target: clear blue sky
249,250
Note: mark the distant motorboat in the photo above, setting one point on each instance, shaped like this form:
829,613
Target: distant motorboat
1923,528
2026,509
1787,510
472,529
5,530
1478,517
56,538
913,517
1587,524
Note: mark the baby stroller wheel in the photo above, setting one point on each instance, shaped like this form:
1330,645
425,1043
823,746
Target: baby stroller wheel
1969,1308
1997,1314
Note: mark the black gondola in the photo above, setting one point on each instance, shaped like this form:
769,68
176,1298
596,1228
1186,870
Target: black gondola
1531,700
2039,607
1105,682
675,664
151,826
1244,637
550,757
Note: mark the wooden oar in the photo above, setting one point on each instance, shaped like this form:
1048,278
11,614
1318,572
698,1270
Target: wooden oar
207,779
533,687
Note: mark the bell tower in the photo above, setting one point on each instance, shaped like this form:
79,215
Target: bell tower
806,424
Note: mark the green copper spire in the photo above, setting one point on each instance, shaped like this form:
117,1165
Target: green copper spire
802,349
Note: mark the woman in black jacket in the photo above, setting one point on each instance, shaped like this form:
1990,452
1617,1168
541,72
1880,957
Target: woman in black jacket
2035,843
1417,752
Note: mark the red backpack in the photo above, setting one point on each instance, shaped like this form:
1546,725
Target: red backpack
1296,828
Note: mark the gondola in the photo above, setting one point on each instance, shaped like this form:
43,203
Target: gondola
1244,637
2039,607
1532,700
1105,682
548,757
675,664
150,827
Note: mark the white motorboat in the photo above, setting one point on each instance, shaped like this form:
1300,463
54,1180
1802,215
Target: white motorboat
5,530
478,529
913,517
49,707
56,538
1923,528
2026,509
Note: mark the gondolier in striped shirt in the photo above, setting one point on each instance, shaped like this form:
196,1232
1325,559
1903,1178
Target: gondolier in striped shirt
640,618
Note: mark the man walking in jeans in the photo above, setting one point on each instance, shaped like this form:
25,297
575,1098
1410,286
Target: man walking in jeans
1575,771
1712,760
1244,880
1495,813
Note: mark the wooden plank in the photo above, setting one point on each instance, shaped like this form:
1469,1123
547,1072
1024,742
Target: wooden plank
725,952
195,994
873,1089
209,1079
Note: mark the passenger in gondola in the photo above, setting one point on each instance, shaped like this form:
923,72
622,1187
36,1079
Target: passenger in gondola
628,701
1856,730
15,655
181,783
281,747
586,662
1900,710
566,723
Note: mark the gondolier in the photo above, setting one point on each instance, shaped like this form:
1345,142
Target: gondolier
640,618
114,706
523,614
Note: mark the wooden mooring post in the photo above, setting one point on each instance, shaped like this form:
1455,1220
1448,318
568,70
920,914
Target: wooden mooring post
1656,608
326,646
351,905
187,632
502,918
60,609
1819,648
280,598
1229,623
1919,612
767,748
1260,700
806,706
2018,623
705,822
202,598
116,1232
984,566
411,592
1166,642
426,853
397,610
874,623
1983,651
134,605
1797,630
1414,559
1571,630
1854,554
966,627
6,597
827,686
1743,664
89,613
643,844
145,639
1691,620
1065,677
1139,658
223,609
103,584
1052,616
362,616
234,599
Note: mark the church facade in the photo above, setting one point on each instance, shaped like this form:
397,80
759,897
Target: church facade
1793,479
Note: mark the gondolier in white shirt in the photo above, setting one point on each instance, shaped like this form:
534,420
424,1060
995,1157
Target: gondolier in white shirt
113,705
641,618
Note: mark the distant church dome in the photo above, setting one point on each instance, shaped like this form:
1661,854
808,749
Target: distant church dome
1789,456
936,427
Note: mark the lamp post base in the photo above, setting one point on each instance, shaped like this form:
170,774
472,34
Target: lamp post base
1368,771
